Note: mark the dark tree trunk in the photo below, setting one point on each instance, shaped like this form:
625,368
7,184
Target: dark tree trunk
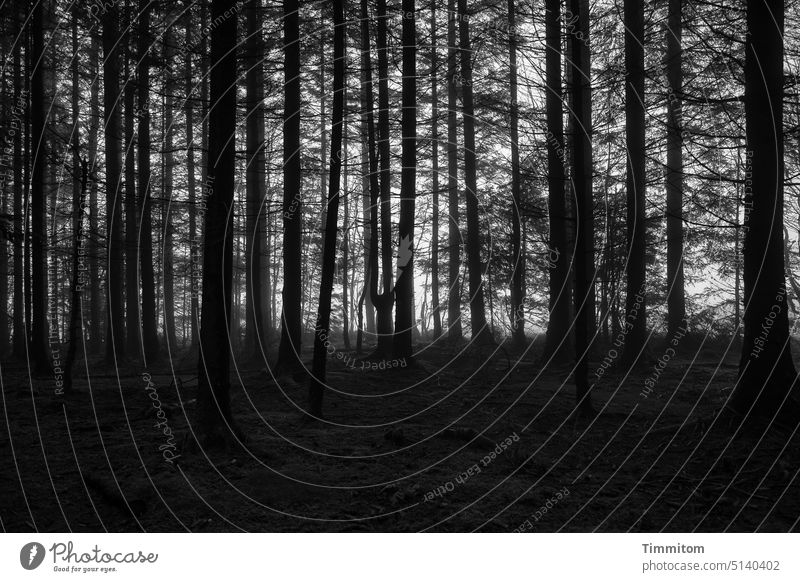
477,309
215,423
454,327
194,254
766,370
20,337
676,302
635,303
291,340
254,326
404,291
518,272
371,181
132,318
92,248
582,187
170,84
558,255
38,340
322,328
149,328
115,323
385,301
437,316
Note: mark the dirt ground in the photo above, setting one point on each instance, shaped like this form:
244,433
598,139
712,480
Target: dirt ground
476,439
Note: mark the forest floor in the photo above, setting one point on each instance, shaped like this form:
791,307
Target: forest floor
476,439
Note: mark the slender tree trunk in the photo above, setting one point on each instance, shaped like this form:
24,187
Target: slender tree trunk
676,302
517,273
404,289
170,85
454,327
635,296
345,264
149,327
437,316
38,341
322,328
215,422
558,255
194,255
132,317
385,301
254,326
291,338
582,186
766,370
477,308
92,248
20,337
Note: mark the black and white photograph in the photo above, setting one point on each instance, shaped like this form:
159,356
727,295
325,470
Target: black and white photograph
398,266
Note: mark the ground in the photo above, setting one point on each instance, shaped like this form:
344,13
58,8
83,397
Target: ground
472,439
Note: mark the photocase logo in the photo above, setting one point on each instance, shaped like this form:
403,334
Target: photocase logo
31,555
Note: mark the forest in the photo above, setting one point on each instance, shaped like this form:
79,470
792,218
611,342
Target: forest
498,266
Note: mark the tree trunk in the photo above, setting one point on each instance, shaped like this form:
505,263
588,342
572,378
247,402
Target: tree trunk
149,328
477,309
254,326
39,332
385,301
437,316
215,422
20,337
517,273
291,339
132,318
322,328
766,370
404,289
558,255
676,302
582,186
170,83
454,327
194,254
635,295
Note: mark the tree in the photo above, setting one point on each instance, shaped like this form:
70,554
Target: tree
480,331
132,317
766,370
635,305
167,213
437,316
518,272
322,328
38,341
454,327
215,424
582,188
255,178
404,316
558,321
149,328
291,340
676,300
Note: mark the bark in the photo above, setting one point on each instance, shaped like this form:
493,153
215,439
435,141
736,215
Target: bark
454,327
676,302
149,328
215,422
322,328
254,326
404,288
766,370
558,254
635,296
517,273
291,340
477,309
